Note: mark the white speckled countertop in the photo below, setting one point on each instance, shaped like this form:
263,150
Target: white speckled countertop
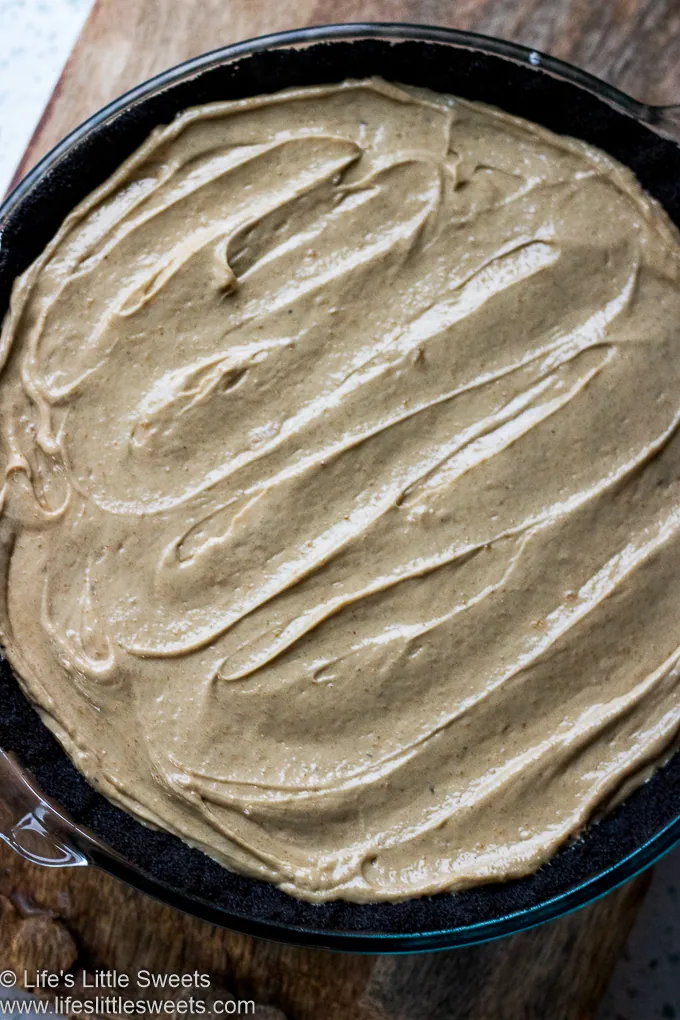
36,38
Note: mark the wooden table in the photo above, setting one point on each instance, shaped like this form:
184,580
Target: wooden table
80,918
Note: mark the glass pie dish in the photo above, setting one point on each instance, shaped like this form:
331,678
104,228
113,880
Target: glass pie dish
50,814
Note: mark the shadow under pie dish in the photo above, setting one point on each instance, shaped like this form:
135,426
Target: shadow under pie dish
536,388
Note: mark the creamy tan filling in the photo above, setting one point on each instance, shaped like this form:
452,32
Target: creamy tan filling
341,530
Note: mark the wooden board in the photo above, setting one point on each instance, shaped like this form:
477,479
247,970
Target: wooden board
80,917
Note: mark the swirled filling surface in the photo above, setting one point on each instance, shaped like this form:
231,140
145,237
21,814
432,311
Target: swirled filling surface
340,526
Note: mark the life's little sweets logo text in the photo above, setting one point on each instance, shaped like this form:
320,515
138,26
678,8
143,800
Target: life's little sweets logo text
108,979
102,992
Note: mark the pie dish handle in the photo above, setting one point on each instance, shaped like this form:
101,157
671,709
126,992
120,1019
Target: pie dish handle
665,120
31,826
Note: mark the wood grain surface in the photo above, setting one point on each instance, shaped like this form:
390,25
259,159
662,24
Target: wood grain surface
82,918
79,917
